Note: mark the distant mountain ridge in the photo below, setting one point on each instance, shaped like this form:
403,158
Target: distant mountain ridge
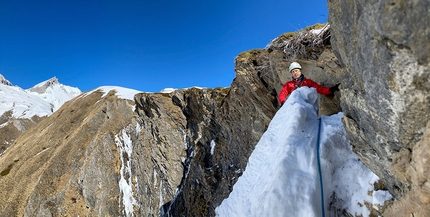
20,109
54,92
41,100
43,86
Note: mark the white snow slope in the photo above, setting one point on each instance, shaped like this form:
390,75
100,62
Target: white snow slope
282,178
120,92
55,93
27,103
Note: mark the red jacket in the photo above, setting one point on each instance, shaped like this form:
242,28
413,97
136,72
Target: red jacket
290,86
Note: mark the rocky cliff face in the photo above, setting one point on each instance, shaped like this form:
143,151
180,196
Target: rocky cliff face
4,81
383,49
176,154
260,75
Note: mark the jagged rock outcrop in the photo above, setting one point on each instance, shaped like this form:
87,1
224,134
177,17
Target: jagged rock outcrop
4,81
260,75
383,49
41,88
221,138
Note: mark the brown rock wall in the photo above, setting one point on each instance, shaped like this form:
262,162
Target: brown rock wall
413,167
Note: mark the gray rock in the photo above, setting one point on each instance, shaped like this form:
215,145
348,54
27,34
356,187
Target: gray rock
383,48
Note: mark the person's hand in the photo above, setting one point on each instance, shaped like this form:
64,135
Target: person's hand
334,88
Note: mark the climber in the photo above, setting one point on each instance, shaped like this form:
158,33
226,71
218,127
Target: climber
299,80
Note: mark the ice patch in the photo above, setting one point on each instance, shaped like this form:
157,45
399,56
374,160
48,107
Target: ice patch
123,141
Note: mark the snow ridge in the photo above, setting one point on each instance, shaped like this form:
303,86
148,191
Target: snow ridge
281,177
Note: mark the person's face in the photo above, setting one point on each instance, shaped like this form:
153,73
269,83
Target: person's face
296,73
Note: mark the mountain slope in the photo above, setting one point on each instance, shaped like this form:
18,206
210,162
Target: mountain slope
69,156
22,104
21,109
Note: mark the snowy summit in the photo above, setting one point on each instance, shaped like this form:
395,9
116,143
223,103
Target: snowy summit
42,100
54,92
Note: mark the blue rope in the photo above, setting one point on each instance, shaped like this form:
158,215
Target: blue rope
319,166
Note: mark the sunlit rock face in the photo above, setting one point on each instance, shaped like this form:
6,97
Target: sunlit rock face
224,125
383,48
174,153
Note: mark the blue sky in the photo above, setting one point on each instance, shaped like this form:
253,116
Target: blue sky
143,45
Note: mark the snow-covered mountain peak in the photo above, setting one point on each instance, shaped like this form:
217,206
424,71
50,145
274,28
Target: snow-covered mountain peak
42,100
43,86
4,81
53,92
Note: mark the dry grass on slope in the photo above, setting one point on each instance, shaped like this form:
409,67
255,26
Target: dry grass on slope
301,44
46,161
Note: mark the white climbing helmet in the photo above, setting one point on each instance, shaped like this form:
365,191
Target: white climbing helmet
295,65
